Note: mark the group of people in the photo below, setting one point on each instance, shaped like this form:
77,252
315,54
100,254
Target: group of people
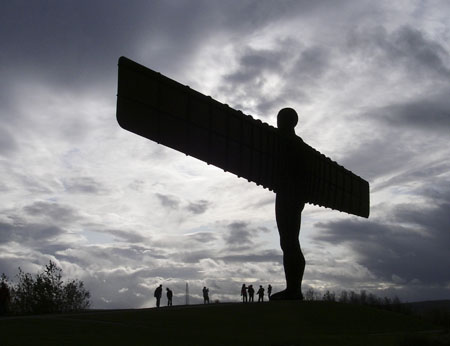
158,295
248,293
169,293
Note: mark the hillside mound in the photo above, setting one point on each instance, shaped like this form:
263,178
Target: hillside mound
277,324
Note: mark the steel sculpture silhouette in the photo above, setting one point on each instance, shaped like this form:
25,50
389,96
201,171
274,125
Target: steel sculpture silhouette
163,110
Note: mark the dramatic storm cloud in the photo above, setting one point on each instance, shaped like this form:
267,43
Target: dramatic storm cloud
369,80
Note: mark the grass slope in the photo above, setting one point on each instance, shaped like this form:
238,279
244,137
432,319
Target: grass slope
281,323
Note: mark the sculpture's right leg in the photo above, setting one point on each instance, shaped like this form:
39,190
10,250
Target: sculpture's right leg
288,216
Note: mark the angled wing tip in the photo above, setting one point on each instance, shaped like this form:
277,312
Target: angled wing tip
122,60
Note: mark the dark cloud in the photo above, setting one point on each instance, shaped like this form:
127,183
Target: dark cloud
4,188
241,236
312,63
168,201
112,255
407,126
430,113
28,233
137,185
411,246
133,253
405,48
9,267
6,232
433,219
238,234
83,185
264,202
261,256
438,191
31,31
296,67
42,239
418,51
404,124
194,256
253,63
8,144
203,237
127,236
53,211
396,151
254,69
165,34
428,175
375,156
198,207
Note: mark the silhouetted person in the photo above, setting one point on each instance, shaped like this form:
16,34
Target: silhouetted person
158,294
260,294
288,210
251,293
244,293
205,295
169,296
269,291
5,298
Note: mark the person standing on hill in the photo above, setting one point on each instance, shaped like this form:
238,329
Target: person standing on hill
269,291
158,294
251,293
260,294
244,293
169,296
205,295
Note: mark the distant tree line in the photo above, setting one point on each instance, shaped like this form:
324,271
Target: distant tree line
42,293
361,298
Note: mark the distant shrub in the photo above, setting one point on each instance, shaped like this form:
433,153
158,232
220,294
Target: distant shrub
5,295
47,293
310,294
361,298
329,296
343,297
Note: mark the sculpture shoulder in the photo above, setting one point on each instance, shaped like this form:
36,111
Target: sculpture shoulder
299,139
295,140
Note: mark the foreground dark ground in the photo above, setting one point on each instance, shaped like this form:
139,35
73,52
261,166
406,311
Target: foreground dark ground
281,323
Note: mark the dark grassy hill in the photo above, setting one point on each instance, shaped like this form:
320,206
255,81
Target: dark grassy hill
430,305
281,323
436,311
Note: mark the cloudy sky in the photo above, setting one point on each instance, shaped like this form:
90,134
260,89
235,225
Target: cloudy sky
370,81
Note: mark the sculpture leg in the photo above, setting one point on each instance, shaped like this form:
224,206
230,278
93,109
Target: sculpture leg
288,216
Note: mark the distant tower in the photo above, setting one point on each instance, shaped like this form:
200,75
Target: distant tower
187,293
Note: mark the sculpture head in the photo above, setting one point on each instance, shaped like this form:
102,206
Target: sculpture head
287,118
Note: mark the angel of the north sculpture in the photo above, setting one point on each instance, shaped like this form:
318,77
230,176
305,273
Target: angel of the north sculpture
169,113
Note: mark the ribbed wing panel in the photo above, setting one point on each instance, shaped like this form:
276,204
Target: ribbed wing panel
163,110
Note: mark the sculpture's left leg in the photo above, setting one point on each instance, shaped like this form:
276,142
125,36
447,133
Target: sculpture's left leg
288,216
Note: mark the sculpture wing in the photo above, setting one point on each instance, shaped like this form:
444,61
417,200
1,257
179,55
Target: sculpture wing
167,112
